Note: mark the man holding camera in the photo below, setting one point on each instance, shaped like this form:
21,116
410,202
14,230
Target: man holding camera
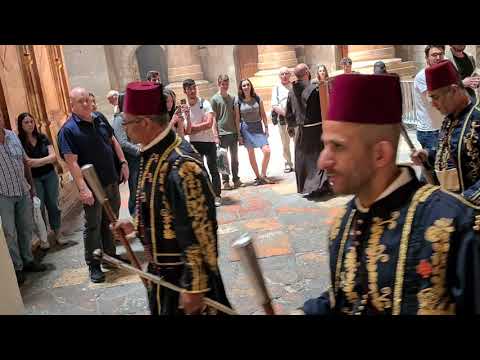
279,107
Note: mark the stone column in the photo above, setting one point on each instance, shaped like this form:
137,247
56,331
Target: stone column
270,59
184,63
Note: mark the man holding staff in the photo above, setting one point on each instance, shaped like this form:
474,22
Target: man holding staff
176,215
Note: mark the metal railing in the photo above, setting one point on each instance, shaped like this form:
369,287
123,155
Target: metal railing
409,116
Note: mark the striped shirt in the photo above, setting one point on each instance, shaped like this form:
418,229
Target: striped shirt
12,171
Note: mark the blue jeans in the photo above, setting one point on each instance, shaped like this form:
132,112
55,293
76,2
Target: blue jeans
47,191
17,222
428,139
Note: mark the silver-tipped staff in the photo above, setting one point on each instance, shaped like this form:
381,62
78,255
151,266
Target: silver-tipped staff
158,280
425,168
90,176
248,258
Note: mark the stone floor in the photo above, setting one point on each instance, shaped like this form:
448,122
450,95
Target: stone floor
290,234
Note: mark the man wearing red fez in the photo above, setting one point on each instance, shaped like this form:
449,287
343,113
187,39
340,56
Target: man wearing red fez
176,216
457,158
399,246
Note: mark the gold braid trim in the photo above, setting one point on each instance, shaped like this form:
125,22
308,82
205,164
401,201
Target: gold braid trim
161,159
459,153
340,251
461,199
337,221
420,196
348,283
195,263
375,252
197,210
432,300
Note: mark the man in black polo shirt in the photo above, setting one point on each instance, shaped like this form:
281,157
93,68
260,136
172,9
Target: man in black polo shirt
87,138
465,64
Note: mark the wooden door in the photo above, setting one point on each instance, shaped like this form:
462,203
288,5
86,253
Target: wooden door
246,61
3,108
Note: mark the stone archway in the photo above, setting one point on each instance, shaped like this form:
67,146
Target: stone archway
152,57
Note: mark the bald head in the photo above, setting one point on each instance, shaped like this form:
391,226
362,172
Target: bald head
76,92
301,71
81,102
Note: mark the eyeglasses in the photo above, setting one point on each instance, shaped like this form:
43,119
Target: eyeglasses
284,73
126,123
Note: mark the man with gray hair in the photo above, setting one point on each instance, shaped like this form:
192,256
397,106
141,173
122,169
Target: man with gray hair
304,113
279,107
177,220
112,98
87,138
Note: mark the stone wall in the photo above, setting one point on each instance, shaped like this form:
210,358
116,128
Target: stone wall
218,59
87,67
320,54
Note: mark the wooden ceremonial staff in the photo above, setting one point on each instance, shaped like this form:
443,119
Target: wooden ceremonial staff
248,258
425,168
90,176
158,280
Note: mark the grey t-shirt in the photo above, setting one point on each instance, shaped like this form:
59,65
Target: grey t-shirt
250,113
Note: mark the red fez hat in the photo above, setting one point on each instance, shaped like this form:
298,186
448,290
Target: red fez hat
366,99
144,98
440,75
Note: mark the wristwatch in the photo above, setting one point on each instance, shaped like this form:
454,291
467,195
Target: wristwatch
123,162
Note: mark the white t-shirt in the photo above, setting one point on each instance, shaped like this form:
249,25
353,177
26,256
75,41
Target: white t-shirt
429,118
281,99
197,116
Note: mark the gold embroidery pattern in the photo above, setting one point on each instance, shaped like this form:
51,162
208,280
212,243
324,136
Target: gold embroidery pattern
166,212
195,264
197,209
471,145
434,300
348,283
444,151
337,221
161,159
420,196
346,231
460,146
476,227
375,253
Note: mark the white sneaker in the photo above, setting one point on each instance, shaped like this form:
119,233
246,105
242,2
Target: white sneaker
218,201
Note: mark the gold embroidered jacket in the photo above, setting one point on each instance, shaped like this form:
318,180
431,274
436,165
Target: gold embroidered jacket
176,214
457,157
414,252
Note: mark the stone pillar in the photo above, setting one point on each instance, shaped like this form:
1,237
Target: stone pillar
270,59
184,63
